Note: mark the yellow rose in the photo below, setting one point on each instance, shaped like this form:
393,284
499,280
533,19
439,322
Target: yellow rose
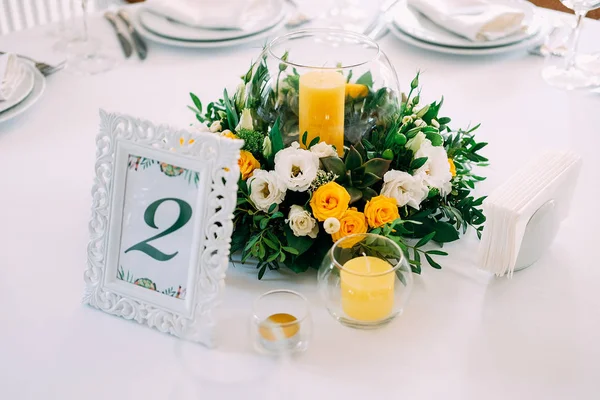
452,167
329,200
356,90
247,164
230,135
380,210
352,222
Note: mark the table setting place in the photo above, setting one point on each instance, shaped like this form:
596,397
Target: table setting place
324,200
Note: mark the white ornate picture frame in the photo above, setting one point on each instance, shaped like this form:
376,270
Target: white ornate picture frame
163,202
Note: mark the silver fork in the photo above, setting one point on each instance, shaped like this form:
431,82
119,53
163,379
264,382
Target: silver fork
45,69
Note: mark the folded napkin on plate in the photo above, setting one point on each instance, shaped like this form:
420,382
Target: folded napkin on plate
477,20
230,14
11,75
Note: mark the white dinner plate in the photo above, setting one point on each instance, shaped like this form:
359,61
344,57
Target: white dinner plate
261,17
204,44
39,84
21,91
415,24
522,45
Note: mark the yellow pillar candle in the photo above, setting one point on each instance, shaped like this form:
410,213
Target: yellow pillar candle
367,293
321,108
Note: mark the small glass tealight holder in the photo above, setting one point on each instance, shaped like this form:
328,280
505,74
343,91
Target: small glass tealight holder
365,280
281,322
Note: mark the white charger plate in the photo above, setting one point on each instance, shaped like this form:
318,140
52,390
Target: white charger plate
21,91
262,16
190,44
522,45
415,24
39,84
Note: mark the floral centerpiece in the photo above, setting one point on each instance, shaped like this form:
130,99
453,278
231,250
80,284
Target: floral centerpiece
395,167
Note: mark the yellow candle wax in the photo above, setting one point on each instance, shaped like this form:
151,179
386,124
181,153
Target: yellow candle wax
366,295
321,108
279,326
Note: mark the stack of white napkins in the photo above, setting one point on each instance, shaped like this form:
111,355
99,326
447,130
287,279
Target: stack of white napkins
12,74
210,14
477,20
523,215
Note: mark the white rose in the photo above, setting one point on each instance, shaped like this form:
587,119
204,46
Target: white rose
267,148
265,189
415,143
436,170
215,126
245,120
296,167
323,150
302,223
405,188
331,225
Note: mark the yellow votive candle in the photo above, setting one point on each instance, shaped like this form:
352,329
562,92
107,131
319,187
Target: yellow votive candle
321,109
279,326
366,295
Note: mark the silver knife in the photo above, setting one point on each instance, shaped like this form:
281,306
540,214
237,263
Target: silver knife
140,45
125,44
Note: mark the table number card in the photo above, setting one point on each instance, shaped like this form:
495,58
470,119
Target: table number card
161,224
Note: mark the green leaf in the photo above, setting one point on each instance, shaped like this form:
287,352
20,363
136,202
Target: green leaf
437,252
272,207
444,232
418,162
262,271
232,117
368,180
432,263
300,243
377,166
314,142
304,138
366,79
353,159
197,102
273,257
276,140
271,244
291,250
276,215
263,223
335,165
355,194
425,239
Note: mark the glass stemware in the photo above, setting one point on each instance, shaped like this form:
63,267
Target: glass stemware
84,55
570,75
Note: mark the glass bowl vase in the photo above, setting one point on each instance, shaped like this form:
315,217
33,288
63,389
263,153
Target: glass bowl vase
365,280
329,84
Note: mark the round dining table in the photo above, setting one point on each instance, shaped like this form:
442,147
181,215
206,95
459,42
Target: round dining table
465,334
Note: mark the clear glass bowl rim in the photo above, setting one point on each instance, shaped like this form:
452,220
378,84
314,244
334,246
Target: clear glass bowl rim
298,321
322,31
392,243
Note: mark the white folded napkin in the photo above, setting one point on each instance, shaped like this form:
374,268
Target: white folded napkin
215,14
12,74
477,20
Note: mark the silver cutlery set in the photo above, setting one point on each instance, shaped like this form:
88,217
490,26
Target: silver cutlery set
128,36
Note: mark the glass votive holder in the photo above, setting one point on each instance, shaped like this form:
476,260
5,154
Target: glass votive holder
365,280
280,322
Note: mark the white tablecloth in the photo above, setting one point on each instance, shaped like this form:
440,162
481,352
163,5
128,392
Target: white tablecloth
465,334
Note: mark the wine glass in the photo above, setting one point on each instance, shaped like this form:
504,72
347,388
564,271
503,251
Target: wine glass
570,75
84,53
348,15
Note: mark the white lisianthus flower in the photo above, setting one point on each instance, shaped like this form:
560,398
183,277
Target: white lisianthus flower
302,223
420,122
296,167
436,170
245,120
331,225
435,123
405,188
199,127
265,189
267,147
414,144
407,120
323,150
215,126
